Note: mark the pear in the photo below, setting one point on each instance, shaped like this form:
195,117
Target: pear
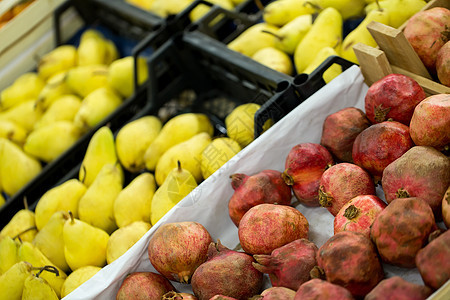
240,123
399,11
349,9
278,13
63,108
333,71
2,200
101,150
22,225
30,253
121,75
134,202
37,288
325,31
124,238
84,244
77,278
13,132
12,281
50,240
255,37
144,4
188,153
16,167
96,206
94,49
288,36
200,10
54,88
275,59
164,8
63,197
48,142
178,129
112,53
96,106
133,139
8,253
26,87
25,114
217,153
82,80
57,60
178,184
361,35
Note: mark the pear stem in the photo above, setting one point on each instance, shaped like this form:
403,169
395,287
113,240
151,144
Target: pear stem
47,268
25,231
378,5
259,4
179,165
274,34
71,217
25,202
83,167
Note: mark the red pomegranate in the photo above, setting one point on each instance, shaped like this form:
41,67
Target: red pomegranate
316,288
397,288
446,208
144,285
443,64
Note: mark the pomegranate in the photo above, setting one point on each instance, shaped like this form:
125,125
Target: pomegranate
358,214
340,130
288,266
446,208
431,122
321,289
379,145
305,164
222,297
433,261
228,273
277,293
342,182
421,172
427,31
266,186
172,295
401,230
393,98
266,227
397,288
144,285
177,249
443,64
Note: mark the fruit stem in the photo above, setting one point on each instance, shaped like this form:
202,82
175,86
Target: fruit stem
24,231
259,4
401,193
179,166
71,217
287,178
274,34
47,268
317,272
351,212
324,199
169,295
25,202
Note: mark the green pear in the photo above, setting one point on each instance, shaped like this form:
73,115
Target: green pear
279,13
121,75
101,150
84,244
275,59
22,225
48,142
12,281
134,202
50,240
96,206
25,114
133,139
64,108
326,31
288,36
255,37
37,288
77,278
349,9
333,71
96,106
8,253
64,196
26,87
178,184
83,80
176,130
13,132
399,11
54,88
57,60
124,238
217,153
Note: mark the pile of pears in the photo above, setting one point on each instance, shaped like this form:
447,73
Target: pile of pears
296,36
126,182
44,112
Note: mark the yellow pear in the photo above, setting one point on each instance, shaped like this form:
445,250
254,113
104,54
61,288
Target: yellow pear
124,238
399,11
288,36
50,240
2,199
84,244
133,139
164,8
94,49
95,107
26,87
112,53
96,206
279,13
121,75
361,35
37,288
333,71
54,88
25,114
22,225
8,253
30,253
275,59
134,202
12,281
217,153
77,278
57,60
64,108
82,80
13,132
48,142
63,197
176,130
188,153
252,39
101,150
144,4
348,8
178,184
200,10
